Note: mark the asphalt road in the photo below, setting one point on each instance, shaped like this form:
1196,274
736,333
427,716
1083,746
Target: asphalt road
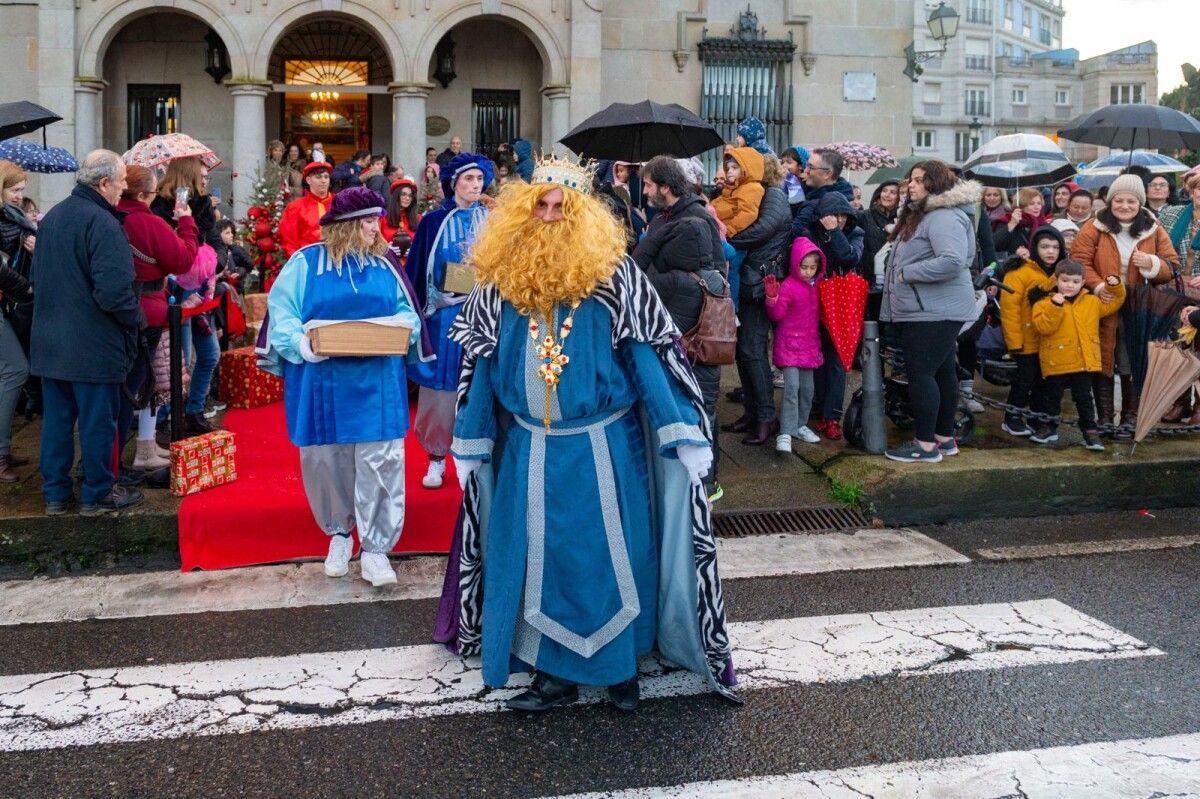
798,724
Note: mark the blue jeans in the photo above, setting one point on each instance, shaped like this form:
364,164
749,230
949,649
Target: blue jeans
830,388
95,407
208,353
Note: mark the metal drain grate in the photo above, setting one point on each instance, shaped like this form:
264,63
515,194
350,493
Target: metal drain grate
738,524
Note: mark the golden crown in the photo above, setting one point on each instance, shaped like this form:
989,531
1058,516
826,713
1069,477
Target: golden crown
569,172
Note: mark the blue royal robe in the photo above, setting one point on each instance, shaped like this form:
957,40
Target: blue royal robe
443,236
340,400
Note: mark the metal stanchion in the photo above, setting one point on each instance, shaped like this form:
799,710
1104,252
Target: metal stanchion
175,331
874,431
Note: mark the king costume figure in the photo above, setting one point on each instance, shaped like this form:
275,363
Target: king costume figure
585,538
348,415
440,246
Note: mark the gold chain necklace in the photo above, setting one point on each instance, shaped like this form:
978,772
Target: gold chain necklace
550,352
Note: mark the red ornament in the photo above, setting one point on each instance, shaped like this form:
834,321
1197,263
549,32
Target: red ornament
268,262
263,228
266,244
255,212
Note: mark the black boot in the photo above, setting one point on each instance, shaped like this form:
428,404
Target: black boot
625,695
740,426
1129,410
1102,387
763,432
194,424
545,693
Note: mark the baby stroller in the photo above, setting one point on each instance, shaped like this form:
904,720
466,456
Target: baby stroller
897,405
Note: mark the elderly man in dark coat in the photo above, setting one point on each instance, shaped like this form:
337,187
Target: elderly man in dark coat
85,323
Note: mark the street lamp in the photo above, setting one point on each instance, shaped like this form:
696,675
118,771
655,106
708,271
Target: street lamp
216,57
975,127
943,26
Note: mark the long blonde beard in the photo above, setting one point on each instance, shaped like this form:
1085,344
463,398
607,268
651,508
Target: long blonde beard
538,279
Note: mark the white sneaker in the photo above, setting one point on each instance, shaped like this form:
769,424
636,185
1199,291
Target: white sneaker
806,435
337,562
974,406
783,443
435,473
376,569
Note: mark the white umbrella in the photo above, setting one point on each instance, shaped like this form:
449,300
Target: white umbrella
1019,159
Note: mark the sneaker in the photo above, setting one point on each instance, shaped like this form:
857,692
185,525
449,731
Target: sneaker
817,426
948,447
434,474
972,405
337,562
1091,440
806,435
912,453
783,443
217,405
833,430
1045,435
376,569
715,492
118,499
1015,426
58,508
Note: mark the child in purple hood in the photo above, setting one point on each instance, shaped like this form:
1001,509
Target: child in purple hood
795,308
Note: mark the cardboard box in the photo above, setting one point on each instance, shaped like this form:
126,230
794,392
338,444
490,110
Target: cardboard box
242,384
203,462
460,278
359,339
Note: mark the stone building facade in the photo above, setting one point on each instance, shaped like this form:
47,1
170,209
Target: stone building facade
118,69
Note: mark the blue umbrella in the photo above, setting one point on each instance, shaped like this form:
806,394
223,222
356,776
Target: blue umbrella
1104,171
33,157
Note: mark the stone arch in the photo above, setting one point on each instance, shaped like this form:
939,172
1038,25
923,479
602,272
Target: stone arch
363,15
555,62
101,34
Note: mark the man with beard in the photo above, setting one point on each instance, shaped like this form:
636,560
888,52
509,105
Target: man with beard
577,552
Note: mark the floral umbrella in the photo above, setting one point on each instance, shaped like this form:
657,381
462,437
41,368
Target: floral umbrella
843,301
34,157
861,156
156,152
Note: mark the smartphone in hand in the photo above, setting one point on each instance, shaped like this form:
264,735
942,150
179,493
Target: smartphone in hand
181,198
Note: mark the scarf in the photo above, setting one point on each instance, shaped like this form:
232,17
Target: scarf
1179,231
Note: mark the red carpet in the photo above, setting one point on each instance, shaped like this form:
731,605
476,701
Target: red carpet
263,517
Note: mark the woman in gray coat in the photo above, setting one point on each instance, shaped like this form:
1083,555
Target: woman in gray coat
928,294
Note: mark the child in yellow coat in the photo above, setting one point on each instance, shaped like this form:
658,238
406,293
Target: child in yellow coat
1068,326
737,205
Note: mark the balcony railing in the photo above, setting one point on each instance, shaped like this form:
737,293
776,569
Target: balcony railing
977,108
979,62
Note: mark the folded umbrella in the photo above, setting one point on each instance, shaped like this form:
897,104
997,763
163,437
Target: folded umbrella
34,157
1150,313
636,132
843,301
1017,160
156,152
1170,371
860,156
24,117
1130,126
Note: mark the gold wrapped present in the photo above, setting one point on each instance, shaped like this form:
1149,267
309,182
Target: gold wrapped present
460,278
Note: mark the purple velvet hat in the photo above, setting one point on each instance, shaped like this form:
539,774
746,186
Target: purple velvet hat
356,202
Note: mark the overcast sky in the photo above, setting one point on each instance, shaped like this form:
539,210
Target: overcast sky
1094,27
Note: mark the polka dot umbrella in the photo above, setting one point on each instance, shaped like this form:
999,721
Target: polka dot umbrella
34,157
155,152
843,301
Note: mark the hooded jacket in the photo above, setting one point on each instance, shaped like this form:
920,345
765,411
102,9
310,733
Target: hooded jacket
796,312
683,246
738,204
764,241
930,276
524,167
843,247
1016,309
1070,333
805,213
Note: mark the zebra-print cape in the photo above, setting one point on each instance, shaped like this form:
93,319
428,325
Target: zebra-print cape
637,314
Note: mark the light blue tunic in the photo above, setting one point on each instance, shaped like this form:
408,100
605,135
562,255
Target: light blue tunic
340,400
571,581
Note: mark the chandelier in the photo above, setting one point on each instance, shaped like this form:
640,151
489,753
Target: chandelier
324,97
324,117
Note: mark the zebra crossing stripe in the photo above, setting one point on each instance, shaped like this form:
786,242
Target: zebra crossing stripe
167,593
1167,766
42,711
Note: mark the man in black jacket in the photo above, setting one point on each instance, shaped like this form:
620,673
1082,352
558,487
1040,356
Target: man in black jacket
85,324
683,240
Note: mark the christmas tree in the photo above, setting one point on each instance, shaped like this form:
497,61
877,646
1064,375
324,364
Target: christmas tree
260,229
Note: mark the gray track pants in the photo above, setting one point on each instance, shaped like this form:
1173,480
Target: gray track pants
357,484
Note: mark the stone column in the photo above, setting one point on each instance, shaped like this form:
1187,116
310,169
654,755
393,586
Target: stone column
55,89
249,139
89,120
556,115
408,125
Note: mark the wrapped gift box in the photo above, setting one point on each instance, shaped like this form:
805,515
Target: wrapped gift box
359,339
242,384
256,307
203,462
460,278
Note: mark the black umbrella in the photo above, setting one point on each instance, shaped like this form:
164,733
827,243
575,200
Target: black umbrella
637,132
1135,125
23,117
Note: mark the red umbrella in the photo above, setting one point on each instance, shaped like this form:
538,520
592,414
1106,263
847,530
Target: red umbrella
843,301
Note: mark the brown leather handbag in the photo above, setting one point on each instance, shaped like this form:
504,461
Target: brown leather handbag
713,339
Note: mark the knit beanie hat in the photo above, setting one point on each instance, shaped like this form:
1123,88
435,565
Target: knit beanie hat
1130,184
1064,225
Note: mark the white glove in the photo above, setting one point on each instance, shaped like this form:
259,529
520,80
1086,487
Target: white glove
307,354
463,468
697,460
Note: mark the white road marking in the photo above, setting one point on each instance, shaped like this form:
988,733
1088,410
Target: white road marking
1116,770
41,600
41,711
1029,551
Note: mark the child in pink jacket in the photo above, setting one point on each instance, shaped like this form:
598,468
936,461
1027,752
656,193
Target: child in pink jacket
795,308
